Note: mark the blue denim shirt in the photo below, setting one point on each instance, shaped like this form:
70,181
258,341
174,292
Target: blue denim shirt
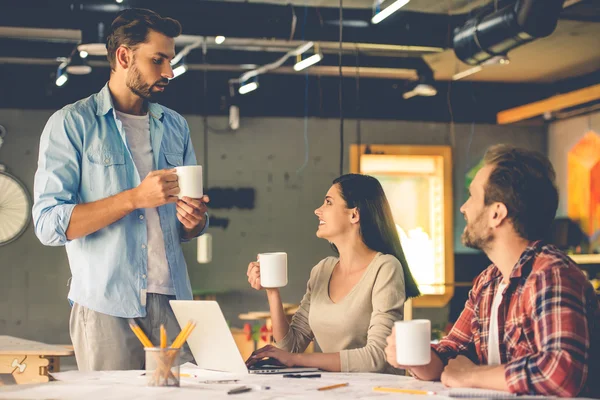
84,157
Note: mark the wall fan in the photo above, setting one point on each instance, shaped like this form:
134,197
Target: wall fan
15,204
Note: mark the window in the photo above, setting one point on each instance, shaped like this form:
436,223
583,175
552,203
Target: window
417,181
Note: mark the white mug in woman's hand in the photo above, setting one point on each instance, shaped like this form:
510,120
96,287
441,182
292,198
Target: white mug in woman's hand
273,270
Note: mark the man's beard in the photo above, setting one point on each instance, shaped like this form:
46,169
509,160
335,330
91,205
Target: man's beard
477,240
136,84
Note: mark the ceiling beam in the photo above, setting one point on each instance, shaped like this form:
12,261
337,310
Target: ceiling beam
554,103
242,20
321,70
41,34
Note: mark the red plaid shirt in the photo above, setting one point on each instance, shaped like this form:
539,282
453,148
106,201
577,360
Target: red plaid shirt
549,326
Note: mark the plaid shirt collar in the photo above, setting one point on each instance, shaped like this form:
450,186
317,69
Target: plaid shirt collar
521,268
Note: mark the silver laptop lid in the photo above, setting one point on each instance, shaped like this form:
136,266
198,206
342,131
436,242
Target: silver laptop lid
211,342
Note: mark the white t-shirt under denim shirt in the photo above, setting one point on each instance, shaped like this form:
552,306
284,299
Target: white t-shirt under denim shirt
137,130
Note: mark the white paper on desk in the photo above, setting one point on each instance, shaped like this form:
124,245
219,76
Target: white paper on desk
108,377
54,390
202,375
91,391
404,396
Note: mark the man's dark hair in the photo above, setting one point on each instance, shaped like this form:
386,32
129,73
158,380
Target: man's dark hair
131,28
525,182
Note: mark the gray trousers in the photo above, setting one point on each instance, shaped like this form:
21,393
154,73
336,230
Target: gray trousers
104,342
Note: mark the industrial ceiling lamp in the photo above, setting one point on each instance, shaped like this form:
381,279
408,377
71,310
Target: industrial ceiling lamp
61,75
77,65
248,86
389,10
496,60
93,41
179,68
204,249
424,86
309,61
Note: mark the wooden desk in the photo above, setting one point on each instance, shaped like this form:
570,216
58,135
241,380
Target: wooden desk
28,361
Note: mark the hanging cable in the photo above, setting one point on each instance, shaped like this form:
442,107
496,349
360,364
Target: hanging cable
341,91
472,134
186,50
306,147
358,120
321,112
271,66
205,119
456,67
294,19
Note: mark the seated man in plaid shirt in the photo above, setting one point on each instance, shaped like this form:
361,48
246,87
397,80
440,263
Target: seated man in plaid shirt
531,324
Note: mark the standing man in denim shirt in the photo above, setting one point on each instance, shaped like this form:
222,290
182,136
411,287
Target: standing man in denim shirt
106,188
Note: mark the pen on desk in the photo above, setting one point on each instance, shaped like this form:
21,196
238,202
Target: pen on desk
339,385
222,381
185,375
241,389
399,390
302,376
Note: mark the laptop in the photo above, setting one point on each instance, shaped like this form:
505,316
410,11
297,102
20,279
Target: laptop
211,342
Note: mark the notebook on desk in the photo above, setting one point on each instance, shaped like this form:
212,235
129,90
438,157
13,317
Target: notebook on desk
212,343
468,393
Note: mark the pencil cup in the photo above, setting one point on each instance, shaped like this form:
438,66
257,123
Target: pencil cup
162,366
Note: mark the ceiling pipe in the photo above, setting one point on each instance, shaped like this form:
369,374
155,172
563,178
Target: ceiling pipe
320,70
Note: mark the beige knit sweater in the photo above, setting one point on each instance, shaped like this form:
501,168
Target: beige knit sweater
358,325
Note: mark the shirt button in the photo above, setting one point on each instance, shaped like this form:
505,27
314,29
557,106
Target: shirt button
144,276
141,217
106,160
143,246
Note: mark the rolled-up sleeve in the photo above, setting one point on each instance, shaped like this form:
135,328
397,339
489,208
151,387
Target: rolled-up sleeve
189,158
57,179
460,339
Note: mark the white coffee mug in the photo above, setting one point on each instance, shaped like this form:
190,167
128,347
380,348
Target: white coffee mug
413,342
273,269
190,181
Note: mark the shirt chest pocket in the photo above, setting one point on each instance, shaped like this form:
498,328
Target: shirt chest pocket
174,160
107,173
